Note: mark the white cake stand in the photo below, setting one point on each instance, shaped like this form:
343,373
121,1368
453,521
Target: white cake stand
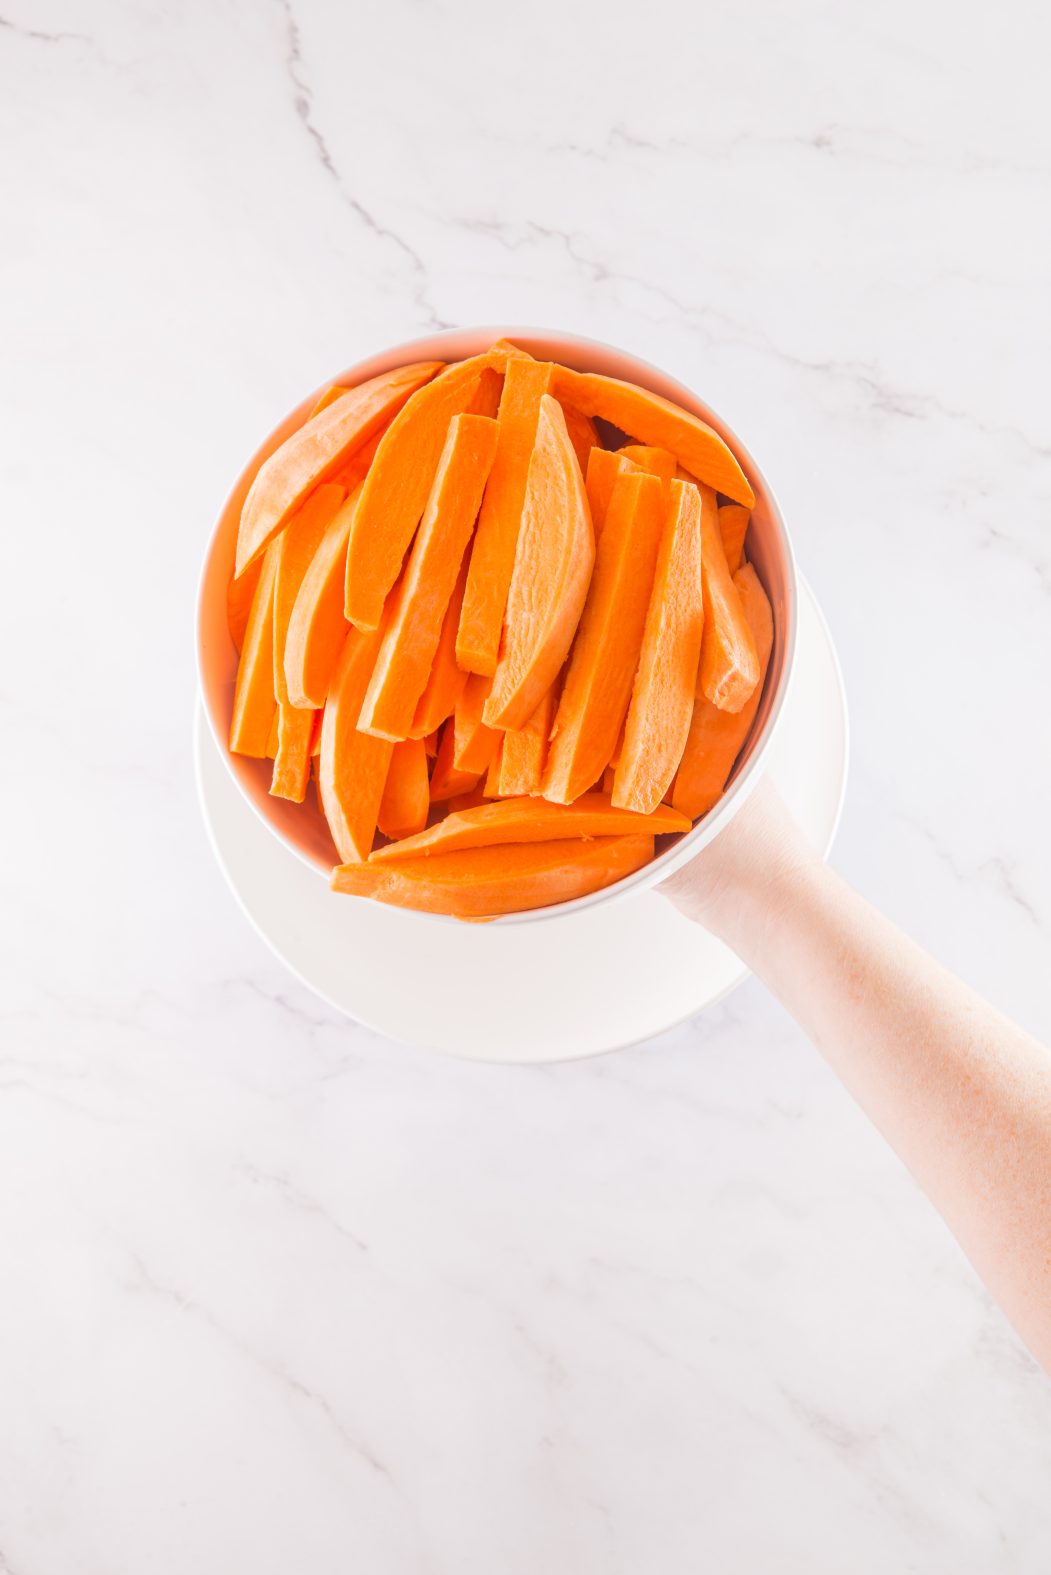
571,986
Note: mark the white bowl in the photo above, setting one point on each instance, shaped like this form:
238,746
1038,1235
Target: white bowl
301,826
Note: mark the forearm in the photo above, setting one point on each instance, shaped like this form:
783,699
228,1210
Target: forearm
962,1093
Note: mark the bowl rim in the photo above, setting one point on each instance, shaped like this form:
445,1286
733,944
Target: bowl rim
708,827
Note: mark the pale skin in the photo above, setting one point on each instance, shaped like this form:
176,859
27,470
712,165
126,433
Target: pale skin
961,1092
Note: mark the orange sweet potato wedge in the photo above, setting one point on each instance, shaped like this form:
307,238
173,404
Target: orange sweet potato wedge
406,656
399,481
728,670
295,738
446,781
481,882
239,597
733,527
254,700
495,540
445,683
486,401
406,797
320,447
717,737
352,766
553,563
294,550
533,820
524,750
329,397
654,461
317,628
582,434
598,684
474,744
657,422
603,467
658,720
491,786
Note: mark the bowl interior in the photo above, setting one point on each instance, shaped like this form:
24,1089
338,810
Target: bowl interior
302,826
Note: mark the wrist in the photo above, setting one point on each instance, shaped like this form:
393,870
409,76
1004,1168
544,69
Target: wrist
749,876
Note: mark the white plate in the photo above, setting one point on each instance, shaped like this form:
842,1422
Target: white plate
574,986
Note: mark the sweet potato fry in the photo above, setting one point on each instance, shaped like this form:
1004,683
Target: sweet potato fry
733,526
495,540
352,766
553,563
606,651
603,468
474,744
658,423
316,450
717,737
446,781
524,750
317,627
582,434
533,820
446,680
406,794
728,670
482,882
654,461
239,596
398,483
295,548
406,656
658,720
254,699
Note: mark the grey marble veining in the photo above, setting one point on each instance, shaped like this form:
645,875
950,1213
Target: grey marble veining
276,1295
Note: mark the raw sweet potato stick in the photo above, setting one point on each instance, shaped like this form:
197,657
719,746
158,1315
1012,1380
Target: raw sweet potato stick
654,461
582,434
474,744
524,749
533,820
239,597
495,540
406,793
605,654
603,467
329,397
405,658
352,766
446,781
728,670
317,627
399,481
481,882
717,737
662,698
445,683
254,702
295,549
733,526
655,421
316,450
553,563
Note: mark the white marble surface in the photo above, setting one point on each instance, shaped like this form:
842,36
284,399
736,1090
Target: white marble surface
276,1295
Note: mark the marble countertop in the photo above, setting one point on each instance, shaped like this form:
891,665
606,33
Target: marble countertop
276,1295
